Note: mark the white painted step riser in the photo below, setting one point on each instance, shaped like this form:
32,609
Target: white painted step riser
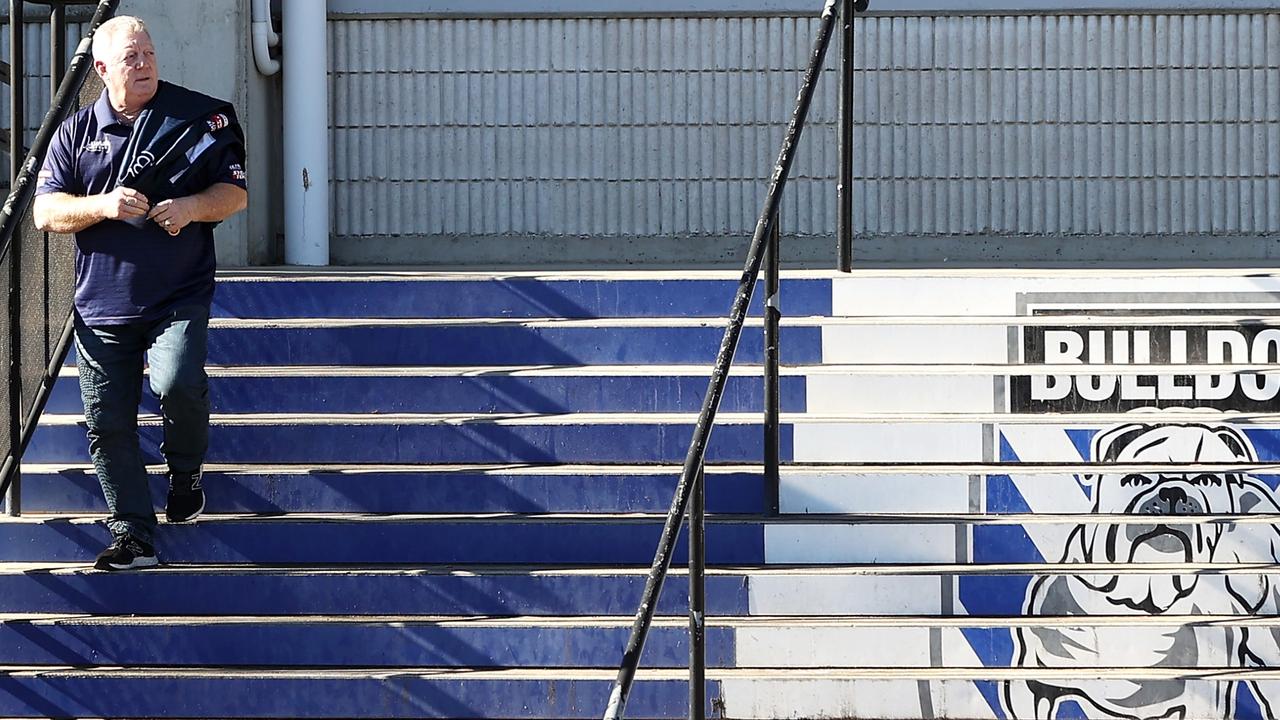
1009,292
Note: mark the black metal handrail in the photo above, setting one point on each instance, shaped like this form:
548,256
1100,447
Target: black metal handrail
690,490
67,86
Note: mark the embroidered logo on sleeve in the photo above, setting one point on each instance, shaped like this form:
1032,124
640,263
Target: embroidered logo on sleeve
237,171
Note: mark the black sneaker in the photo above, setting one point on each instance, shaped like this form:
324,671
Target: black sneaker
186,497
127,552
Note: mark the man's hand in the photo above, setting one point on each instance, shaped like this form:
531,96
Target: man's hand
173,215
124,204
215,203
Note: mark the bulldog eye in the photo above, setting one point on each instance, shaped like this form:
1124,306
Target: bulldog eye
1135,479
1206,479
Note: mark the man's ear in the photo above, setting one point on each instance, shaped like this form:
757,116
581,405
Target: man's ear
1108,443
100,68
1237,442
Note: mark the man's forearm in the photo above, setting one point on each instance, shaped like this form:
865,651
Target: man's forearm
217,202
66,213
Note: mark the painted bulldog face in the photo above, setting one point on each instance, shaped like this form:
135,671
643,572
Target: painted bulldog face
1167,496
1166,493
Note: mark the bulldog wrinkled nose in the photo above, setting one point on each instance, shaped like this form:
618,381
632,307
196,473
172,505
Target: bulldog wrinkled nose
1171,500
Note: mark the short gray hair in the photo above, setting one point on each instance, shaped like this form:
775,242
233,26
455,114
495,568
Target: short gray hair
122,25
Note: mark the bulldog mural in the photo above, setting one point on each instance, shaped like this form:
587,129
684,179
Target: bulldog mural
1170,498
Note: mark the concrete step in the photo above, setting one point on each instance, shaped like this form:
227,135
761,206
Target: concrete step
413,489
491,342
587,642
581,693
217,590
393,293
870,389
381,540
803,489
1240,338
949,590
299,390
602,539
997,291
616,438
405,642
433,439
396,292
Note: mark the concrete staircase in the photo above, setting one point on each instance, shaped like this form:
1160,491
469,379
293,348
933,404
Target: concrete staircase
436,495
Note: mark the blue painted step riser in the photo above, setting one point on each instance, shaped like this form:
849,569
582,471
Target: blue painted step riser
497,345
374,543
397,696
434,443
266,644
351,592
473,394
468,345
382,492
506,297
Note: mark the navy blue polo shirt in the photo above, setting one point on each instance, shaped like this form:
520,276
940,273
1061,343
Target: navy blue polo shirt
128,274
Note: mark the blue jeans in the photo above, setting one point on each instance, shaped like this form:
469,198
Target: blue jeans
110,359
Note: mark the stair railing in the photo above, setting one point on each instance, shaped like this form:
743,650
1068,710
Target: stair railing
18,337
690,494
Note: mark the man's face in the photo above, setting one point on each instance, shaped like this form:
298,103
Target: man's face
130,71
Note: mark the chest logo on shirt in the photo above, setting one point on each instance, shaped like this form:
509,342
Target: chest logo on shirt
98,146
144,160
218,121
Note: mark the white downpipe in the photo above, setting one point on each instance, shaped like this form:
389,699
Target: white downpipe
264,38
306,133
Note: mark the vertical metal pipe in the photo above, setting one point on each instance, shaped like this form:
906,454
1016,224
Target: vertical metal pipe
724,359
306,133
698,598
57,69
57,47
17,76
844,186
17,88
772,357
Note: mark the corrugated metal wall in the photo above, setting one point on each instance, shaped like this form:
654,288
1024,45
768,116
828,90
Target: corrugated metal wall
1126,124
1114,124
567,127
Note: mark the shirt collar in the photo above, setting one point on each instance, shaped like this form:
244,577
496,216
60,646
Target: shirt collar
104,113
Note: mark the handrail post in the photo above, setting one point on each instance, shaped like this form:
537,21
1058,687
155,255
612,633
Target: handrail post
57,69
844,186
698,598
693,460
772,357
17,75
